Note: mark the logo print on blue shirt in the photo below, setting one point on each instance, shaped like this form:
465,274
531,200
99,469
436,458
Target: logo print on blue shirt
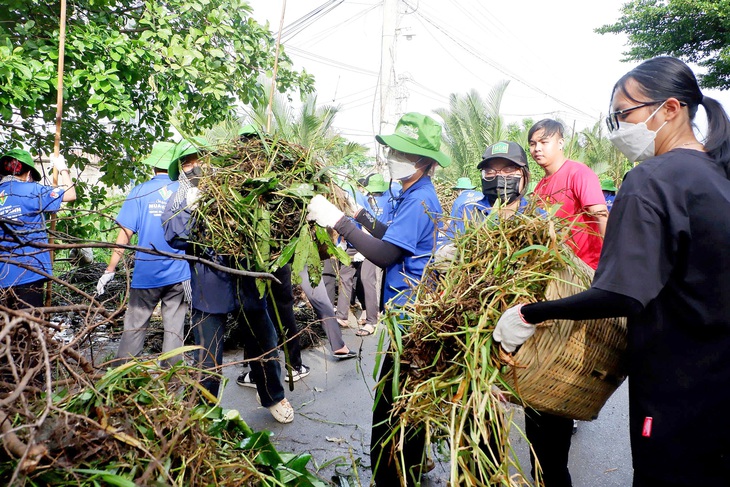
165,193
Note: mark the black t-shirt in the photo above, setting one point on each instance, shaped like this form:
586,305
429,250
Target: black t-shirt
665,246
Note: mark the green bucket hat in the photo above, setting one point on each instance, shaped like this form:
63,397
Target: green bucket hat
161,156
25,158
463,183
376,184
183,148
608,185
248,129
417,134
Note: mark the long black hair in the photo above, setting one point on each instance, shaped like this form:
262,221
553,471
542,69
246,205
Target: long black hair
667,77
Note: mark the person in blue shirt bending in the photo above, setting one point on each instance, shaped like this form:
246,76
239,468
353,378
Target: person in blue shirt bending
156,278
23,203
413,153
467,194
609,192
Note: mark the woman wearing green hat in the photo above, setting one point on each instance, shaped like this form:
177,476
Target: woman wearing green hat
23,203
413,153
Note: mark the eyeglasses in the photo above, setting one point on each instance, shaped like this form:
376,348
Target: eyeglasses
490,173
612,118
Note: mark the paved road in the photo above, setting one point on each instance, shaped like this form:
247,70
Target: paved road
333,413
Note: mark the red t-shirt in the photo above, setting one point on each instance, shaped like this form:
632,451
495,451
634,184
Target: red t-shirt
575,187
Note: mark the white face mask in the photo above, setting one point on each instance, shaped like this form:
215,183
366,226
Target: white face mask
635,140
400,166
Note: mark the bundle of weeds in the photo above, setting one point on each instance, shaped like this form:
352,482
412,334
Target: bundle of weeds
253,206
141,424
450,376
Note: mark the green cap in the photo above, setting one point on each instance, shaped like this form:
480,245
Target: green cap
24,157
417,134
248,129
376,184
184,148
161,155
608,185
463,183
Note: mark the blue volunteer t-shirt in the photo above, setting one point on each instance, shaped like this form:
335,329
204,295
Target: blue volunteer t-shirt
413,230
610,197
26,202
383,205
473,210
467,196
141,213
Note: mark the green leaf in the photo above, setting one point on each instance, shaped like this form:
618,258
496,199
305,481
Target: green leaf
110,478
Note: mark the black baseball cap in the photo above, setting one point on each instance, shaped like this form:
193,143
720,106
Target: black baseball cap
511,151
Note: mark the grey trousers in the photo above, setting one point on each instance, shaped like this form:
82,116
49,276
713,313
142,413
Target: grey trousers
142,303
371,277
346,288
322,305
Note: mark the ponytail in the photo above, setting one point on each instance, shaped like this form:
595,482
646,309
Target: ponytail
717,143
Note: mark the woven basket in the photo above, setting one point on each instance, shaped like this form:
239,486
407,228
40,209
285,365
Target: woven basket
570,368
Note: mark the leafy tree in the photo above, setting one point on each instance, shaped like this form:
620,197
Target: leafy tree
130,67
696,31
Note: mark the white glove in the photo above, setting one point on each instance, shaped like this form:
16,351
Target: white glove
192,197
445,253
58,162
103,281
322,212
358,257
512,330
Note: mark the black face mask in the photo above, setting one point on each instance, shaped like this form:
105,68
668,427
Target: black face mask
194,174
506,188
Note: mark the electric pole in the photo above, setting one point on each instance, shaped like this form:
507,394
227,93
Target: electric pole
386,116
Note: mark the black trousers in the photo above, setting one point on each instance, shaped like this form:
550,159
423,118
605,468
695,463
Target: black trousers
281,311
550,437
24,296
384,459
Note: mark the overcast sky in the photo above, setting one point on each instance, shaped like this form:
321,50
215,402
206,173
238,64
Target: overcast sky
555,64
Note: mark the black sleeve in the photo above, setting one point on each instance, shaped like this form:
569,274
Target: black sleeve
380,253
375,227
589,305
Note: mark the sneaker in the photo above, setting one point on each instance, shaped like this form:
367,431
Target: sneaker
282,411
245,380
298,373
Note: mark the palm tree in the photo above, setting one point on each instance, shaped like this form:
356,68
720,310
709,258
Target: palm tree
472,123
311,127
601,156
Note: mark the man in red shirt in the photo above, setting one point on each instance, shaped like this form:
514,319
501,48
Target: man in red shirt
573,186
576,189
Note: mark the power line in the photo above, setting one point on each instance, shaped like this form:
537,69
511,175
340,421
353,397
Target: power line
470,50
330,62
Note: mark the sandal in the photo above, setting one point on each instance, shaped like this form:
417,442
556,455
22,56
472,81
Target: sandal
365,330
344,355
343,323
